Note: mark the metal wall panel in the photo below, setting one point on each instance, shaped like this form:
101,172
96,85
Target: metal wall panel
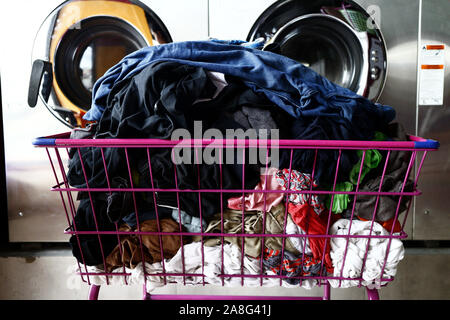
398,21
34,213
233,19
432,214
185,20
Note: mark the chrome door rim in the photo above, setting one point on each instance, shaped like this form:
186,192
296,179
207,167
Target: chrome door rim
361,37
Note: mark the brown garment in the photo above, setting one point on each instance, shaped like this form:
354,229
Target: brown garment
129,252
253,223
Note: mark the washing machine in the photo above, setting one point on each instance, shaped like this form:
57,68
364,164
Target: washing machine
376,48
81,39
66,46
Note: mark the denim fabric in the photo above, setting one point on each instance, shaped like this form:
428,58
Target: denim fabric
295,88
257,44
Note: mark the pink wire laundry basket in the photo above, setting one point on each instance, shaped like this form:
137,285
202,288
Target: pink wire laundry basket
416,149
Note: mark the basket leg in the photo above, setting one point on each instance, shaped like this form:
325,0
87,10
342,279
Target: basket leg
326,291
372,294
145,294
93,292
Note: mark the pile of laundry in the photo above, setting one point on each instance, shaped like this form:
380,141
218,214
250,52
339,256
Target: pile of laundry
157,90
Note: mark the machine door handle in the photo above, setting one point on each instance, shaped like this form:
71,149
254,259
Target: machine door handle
41,70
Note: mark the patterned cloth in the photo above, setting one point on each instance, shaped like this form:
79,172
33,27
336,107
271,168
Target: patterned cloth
260,201
292,266
299,182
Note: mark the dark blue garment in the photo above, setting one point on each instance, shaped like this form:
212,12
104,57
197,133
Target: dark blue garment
295,88
257,44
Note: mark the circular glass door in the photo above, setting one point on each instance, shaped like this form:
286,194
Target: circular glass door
83,55
82,40
324,44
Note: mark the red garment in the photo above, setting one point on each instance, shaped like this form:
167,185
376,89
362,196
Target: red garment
312,223
388,224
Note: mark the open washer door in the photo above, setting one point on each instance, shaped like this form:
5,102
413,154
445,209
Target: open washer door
78,42
338,39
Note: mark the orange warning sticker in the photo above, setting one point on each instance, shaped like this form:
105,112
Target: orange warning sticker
431,76
432,66
435,47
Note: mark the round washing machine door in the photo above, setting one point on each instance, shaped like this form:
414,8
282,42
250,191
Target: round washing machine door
337,39
78,42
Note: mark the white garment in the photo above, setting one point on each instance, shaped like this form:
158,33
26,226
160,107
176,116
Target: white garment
297,242
218,79
193,264
356,251
192,224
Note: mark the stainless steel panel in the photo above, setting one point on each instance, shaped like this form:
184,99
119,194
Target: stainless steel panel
34,213
398,21
185,20
233,19
432,214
